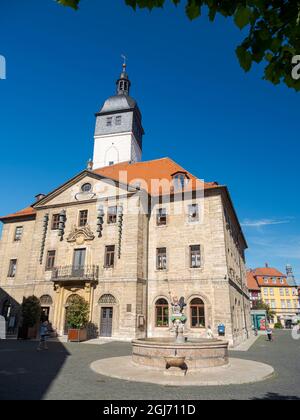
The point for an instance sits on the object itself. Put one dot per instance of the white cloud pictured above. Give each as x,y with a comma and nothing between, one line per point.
264,222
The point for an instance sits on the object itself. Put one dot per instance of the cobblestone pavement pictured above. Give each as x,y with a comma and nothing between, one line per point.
63,372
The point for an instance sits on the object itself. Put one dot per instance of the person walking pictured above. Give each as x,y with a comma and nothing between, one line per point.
270,333
43,336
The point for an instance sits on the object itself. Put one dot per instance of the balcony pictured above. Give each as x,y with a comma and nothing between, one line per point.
70,273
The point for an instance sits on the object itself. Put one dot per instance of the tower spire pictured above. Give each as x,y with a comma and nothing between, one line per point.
123,83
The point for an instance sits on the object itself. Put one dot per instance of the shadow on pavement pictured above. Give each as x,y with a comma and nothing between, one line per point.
272,396
25,373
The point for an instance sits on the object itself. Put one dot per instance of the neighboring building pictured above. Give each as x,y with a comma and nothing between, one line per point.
113,236
254,289
277,292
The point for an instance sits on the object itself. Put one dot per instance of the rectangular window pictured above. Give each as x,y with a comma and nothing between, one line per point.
162,315
12,268
274,280
50,261
287,292
273,304
265,291
109,259
55,222
112,215
161,217
281,291
193,213
195,256
283,306
266,280
108,121
161,258
129,308
118,120
271,292
18,233
289,304
83,218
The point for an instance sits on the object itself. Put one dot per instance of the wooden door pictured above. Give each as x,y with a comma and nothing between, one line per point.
106,322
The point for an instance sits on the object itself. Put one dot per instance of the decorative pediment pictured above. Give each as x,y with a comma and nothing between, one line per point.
81,234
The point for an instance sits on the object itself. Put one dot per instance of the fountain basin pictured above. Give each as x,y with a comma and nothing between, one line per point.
198,354
175,361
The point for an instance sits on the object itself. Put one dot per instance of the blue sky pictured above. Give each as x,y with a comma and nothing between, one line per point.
198,107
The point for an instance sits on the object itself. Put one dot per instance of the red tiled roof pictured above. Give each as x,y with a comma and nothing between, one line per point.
28,211
143,173
273,274
150,173
268,271
251,281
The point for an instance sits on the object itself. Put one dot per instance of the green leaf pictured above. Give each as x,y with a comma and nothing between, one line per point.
71,3
193,9
242,16
245,58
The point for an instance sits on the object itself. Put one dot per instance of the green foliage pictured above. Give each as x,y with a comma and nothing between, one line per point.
259,304
31,311
278,326
273,30
71,3
78,313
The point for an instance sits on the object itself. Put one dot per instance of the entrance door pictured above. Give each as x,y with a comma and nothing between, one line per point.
45,313
78,262
106,322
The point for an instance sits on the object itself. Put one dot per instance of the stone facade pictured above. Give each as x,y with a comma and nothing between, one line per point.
134,282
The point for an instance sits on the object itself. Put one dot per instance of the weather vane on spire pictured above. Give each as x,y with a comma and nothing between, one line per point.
125,61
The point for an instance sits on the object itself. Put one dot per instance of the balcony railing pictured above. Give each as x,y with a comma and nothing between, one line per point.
70,272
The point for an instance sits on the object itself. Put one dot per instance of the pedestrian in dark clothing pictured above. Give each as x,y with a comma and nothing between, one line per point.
270,334
43,336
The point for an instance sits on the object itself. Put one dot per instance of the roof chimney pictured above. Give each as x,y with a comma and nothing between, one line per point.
267,265
38,197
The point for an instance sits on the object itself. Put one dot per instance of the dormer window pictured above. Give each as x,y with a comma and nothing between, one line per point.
108,121
180,180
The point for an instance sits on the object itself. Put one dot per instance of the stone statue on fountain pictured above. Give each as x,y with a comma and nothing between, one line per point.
178,318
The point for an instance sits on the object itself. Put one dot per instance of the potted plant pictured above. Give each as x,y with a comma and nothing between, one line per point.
77,319
31,315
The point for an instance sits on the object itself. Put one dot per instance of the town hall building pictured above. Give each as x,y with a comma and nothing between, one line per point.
129,236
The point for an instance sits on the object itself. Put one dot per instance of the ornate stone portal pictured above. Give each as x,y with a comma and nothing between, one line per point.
81,234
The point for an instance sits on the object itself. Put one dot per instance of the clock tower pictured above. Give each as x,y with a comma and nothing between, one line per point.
119,131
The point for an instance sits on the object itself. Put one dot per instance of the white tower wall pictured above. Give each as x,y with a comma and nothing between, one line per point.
115,148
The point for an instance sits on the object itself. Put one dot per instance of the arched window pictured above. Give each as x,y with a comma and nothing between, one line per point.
162,313
46,300
107,300
197,313
6,308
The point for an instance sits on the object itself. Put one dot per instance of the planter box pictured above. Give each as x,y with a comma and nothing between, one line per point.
77,335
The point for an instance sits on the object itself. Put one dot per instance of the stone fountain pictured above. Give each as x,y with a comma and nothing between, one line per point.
180,361
179,354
